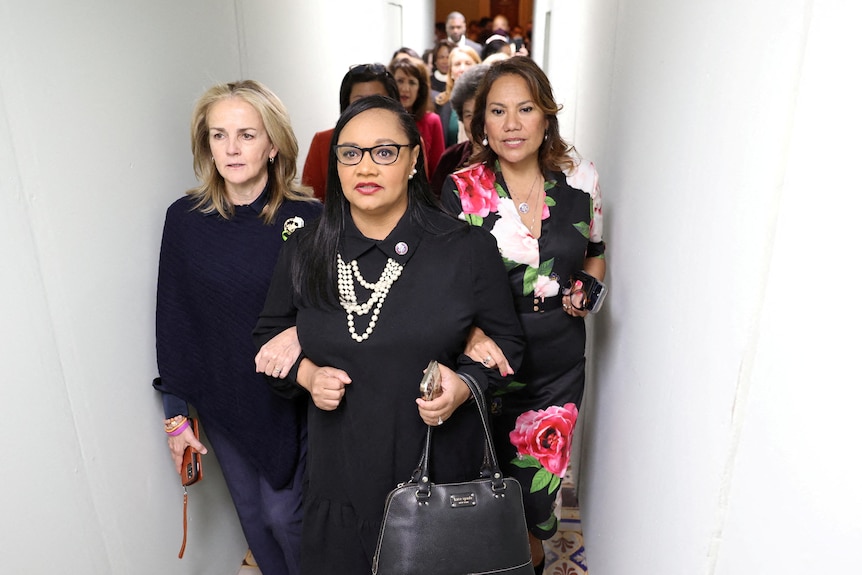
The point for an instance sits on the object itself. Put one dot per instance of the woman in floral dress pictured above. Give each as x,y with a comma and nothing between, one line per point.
544,208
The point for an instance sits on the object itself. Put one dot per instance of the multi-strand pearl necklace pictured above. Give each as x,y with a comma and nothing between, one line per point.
379,291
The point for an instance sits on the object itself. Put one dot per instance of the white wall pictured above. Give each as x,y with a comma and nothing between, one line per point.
303,49
721,425
95,100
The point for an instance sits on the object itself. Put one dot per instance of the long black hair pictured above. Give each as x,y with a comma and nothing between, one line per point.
314,271
366,73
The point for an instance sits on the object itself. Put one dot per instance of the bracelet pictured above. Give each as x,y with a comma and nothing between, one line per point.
182,427
173,423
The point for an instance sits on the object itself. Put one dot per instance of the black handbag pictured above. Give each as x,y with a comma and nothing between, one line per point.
455,528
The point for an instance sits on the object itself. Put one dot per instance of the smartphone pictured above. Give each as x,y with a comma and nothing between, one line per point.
191,469
429,387
590,288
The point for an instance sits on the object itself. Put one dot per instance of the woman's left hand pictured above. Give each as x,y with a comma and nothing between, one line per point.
572,302
455,392
277,356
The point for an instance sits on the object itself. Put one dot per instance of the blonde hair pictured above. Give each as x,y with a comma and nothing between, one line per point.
212,194
444,97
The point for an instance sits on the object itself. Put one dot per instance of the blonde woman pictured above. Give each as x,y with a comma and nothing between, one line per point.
460,58
219,246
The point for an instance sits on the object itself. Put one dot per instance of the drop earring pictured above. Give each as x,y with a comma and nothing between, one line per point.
412,173
485,140
546,136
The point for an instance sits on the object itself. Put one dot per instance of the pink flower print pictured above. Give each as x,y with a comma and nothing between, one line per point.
546,287
546,435
513,239
476,190
585,177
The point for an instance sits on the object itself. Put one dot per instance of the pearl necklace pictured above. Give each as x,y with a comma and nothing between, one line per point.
379,291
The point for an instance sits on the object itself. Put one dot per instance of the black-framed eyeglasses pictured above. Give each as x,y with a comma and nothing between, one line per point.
382,155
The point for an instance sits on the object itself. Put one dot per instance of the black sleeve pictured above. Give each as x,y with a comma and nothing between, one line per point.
279,314
495,309
279,310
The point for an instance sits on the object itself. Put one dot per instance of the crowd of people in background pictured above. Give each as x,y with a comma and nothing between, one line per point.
314,427
425,84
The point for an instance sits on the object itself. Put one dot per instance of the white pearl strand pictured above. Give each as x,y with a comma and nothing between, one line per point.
380,289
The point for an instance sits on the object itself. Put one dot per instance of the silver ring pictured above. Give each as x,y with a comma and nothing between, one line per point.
565,306
440,420
486,361
276,371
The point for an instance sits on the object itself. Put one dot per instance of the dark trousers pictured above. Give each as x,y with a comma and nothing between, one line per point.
271,519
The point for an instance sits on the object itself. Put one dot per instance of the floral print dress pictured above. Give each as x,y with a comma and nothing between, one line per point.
534,417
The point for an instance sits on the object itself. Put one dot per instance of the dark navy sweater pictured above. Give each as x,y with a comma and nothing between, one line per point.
214,274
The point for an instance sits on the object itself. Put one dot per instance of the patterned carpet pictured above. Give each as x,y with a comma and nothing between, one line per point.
564,552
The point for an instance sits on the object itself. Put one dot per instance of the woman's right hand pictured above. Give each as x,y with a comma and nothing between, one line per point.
325,384
178,443
482,349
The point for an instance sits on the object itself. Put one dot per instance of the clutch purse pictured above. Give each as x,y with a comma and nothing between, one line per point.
455,528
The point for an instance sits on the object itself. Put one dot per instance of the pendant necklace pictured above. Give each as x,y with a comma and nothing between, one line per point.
379,290
524,207
533,220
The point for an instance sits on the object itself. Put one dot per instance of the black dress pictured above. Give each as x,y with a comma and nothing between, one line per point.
534,417
371,442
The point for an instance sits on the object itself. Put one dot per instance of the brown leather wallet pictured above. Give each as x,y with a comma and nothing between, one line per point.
191,470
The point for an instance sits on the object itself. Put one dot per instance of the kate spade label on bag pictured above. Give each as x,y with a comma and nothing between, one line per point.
462,500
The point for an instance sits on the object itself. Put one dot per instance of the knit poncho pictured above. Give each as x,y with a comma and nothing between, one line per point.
214,274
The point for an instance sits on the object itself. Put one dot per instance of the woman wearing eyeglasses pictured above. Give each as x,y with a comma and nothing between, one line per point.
383,283
359,81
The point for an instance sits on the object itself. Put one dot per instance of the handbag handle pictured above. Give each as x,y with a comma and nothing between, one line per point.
490,464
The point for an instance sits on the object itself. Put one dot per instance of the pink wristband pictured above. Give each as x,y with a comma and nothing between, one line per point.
180,429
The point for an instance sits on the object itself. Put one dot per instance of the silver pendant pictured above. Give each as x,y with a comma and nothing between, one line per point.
523,207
